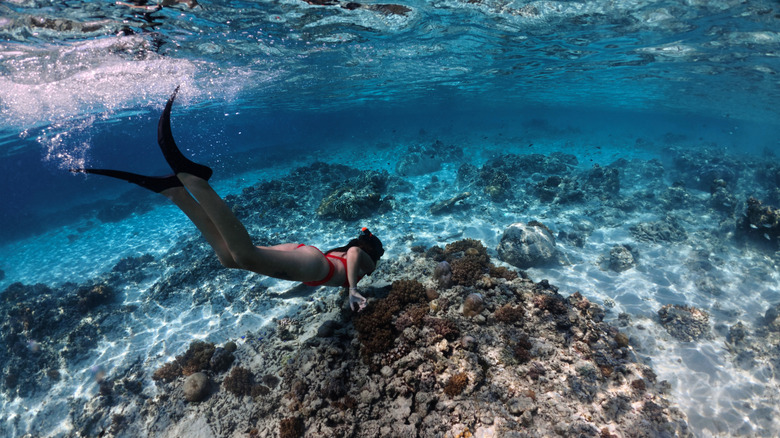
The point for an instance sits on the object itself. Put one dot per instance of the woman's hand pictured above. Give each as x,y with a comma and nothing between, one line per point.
355,299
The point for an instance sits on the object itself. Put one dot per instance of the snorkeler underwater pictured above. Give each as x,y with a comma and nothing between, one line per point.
427,219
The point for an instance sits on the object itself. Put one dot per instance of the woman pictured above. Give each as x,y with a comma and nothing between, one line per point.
189,189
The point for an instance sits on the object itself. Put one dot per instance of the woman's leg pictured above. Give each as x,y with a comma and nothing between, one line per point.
300,265
196,214
306,264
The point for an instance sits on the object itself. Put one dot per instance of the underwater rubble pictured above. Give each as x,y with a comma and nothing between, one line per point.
451,345
44,330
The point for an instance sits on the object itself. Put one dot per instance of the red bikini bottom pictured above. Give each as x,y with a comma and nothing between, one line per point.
331,268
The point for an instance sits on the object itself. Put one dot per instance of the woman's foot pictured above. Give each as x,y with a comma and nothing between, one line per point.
178,162
154,183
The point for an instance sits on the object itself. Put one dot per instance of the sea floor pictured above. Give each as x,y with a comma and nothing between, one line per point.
706,267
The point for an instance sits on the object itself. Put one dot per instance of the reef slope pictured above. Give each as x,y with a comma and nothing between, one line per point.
450,345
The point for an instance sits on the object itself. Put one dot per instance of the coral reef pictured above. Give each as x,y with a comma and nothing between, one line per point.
685,323
128,264
760,225
90,297
456,384
422,159
411,364
527,245
196,358
602,181
621,258
772,318
468,260
497,185
509,314
528,342
199,356
502,272
757,345
374,325
240,381
667,231
168,372
700,168
44,329
473,305
356,199
443,274
291,428
222,358
330,189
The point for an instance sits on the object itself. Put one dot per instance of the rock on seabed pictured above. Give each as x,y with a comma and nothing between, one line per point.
527,245
546,366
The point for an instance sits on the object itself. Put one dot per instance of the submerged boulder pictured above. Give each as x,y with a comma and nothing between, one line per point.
621,258
527,245
668,230
685,323
602,181
760,225
420,160
358,198
772,318
196,387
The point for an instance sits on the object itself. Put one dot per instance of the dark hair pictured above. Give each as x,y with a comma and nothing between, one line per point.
367,242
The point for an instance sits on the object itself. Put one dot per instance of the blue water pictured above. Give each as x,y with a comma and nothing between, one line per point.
268,87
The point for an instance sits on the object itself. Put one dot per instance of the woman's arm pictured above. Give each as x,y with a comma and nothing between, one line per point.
358,261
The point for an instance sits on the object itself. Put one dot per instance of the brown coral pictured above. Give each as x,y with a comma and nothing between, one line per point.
522,350
639,385
168,372
374,325
555,304
259,391
239,382
405,292
467,270
435,253
509,314
442,327
412,317
292,427
577,300
468,260
89,298
456,384
502,272
196,358
464,245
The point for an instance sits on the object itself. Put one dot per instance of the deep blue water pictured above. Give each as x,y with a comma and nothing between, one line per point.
266,85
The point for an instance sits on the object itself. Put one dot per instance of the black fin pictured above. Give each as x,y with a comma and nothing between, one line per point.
174,157
154,183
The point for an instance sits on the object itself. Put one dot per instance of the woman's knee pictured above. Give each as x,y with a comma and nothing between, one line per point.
245,259
228,262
